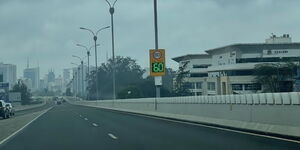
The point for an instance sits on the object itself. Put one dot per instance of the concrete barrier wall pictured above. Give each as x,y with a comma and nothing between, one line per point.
268,109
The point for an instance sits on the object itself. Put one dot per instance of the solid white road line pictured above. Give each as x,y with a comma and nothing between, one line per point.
112,136
218,128
6,139
95,125
86,119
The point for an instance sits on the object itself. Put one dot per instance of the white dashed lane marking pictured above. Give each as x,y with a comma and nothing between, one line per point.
86,119
95,125
112,136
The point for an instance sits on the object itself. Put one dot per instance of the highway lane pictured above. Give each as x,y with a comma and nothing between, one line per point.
76,127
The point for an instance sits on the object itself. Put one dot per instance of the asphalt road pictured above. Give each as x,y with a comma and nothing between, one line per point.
69,127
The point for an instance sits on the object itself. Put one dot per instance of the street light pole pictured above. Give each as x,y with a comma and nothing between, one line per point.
77,78
96,64
156,42
111,11
82,80
88,51
76,86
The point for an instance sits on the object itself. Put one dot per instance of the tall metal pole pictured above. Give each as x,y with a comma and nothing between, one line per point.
156,41
111,11
88,52
88,74
96,64
78,80
82,81
113,53
97,91
88,67
75,80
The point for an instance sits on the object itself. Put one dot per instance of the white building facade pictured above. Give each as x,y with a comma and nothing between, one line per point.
8,73
230,69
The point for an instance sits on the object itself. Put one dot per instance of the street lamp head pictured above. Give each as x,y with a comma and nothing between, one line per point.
106,27
82,28
111,10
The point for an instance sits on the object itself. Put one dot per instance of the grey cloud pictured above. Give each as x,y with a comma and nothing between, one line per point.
47,30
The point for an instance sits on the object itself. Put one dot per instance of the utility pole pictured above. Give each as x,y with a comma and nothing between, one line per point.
156,46
111,11
95,34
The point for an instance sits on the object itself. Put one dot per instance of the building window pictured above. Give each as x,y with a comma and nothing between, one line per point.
253,87
201,66
199,75
211,86
198,85
199,93
237,87
269,52
240,72
268,59
232,54
190,85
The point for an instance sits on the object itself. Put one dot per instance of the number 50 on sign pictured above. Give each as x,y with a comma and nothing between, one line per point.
157,62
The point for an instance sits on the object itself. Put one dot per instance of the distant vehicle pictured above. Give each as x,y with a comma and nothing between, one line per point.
58,102
4,111
10,108
55,98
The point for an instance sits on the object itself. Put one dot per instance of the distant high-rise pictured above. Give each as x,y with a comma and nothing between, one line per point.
66,75
8,74
34,75
51,76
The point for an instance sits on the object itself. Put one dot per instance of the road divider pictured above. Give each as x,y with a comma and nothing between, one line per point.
25,107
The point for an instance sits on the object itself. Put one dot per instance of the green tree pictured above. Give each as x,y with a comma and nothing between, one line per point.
130,92
275,77
181,86
25,92
128,72
148,88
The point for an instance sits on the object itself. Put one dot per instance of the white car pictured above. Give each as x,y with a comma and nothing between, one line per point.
10,108
4,111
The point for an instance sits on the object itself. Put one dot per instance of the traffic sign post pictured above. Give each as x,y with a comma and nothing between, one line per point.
157,68
157,62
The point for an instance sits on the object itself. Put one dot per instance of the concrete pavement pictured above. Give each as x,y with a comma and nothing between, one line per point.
77,127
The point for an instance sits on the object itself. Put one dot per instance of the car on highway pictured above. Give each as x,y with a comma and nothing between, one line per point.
4,111
10,108
58,102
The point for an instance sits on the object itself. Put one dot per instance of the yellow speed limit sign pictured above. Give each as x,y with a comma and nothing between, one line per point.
157,62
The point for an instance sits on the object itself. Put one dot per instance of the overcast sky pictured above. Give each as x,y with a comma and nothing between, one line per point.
46,31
